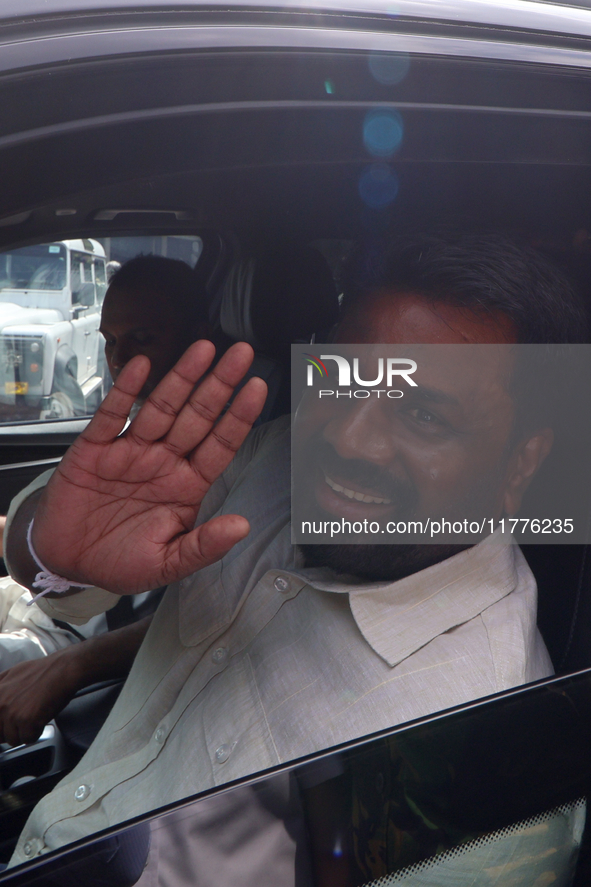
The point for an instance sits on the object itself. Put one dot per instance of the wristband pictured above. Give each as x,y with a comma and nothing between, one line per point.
45,579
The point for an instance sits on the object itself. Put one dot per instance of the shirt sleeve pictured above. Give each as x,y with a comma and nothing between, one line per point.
28,633
76,608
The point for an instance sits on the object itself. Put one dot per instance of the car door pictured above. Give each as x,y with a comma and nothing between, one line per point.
488,794
325,128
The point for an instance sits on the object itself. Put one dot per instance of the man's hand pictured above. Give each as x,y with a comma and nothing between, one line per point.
32,693
119,512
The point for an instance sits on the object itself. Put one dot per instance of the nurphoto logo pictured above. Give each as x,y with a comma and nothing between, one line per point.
387,370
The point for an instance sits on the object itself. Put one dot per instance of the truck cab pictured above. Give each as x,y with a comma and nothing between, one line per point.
50,346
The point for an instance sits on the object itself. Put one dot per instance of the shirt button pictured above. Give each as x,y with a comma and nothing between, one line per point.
222,753
159,734
219,655
28,849
82,792
281,584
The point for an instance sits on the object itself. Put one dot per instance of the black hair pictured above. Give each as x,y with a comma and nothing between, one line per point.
169,277
488,274
481,273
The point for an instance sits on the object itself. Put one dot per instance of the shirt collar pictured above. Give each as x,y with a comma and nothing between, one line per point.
398,618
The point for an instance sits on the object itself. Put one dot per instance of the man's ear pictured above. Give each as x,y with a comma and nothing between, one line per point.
525,462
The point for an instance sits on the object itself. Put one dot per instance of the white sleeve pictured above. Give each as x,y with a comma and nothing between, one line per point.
28,633
14,646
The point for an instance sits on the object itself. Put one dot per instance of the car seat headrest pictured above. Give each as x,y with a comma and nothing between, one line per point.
277,296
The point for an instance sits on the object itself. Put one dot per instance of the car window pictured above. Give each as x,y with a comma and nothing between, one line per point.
39,267
52,362
301,164
483,795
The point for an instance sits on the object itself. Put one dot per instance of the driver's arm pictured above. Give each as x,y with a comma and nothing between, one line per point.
32,693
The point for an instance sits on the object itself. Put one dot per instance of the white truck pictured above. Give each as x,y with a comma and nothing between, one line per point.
51,351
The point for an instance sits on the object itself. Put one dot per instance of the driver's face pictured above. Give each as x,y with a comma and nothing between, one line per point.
442,450
142,323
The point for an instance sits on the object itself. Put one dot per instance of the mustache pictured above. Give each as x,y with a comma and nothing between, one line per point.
366,475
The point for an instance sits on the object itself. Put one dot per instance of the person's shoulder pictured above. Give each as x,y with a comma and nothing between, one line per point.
265,451
271,431
265,437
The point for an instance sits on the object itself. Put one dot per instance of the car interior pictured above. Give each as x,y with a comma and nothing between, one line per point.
275,161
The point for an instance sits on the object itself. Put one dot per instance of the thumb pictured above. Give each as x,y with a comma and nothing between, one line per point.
208,543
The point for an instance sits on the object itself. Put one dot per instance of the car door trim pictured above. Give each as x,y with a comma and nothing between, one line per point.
123,117
106,43
34,464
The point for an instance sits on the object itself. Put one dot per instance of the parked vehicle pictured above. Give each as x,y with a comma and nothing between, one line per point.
50,345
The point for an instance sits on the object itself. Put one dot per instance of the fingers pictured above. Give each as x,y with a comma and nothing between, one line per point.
199,414
173,408
163,405
18,727
216,452
110,418
210,542
18,731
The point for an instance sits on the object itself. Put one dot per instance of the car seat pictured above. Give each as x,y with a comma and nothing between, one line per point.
563,575
271,298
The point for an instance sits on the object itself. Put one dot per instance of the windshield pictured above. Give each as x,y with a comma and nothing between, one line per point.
40,267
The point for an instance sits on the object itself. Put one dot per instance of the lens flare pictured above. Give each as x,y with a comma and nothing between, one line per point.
378,185
382,132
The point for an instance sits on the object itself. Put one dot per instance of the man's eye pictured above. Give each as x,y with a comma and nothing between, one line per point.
143,338
425,417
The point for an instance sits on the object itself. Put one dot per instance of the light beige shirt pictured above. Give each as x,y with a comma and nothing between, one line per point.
255,661
26,632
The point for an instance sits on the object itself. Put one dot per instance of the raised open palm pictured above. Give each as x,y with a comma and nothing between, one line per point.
119,512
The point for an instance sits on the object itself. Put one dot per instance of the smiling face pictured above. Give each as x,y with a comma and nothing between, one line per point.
143,323
441,451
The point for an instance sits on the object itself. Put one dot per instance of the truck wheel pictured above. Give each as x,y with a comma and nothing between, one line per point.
60,407
66,399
